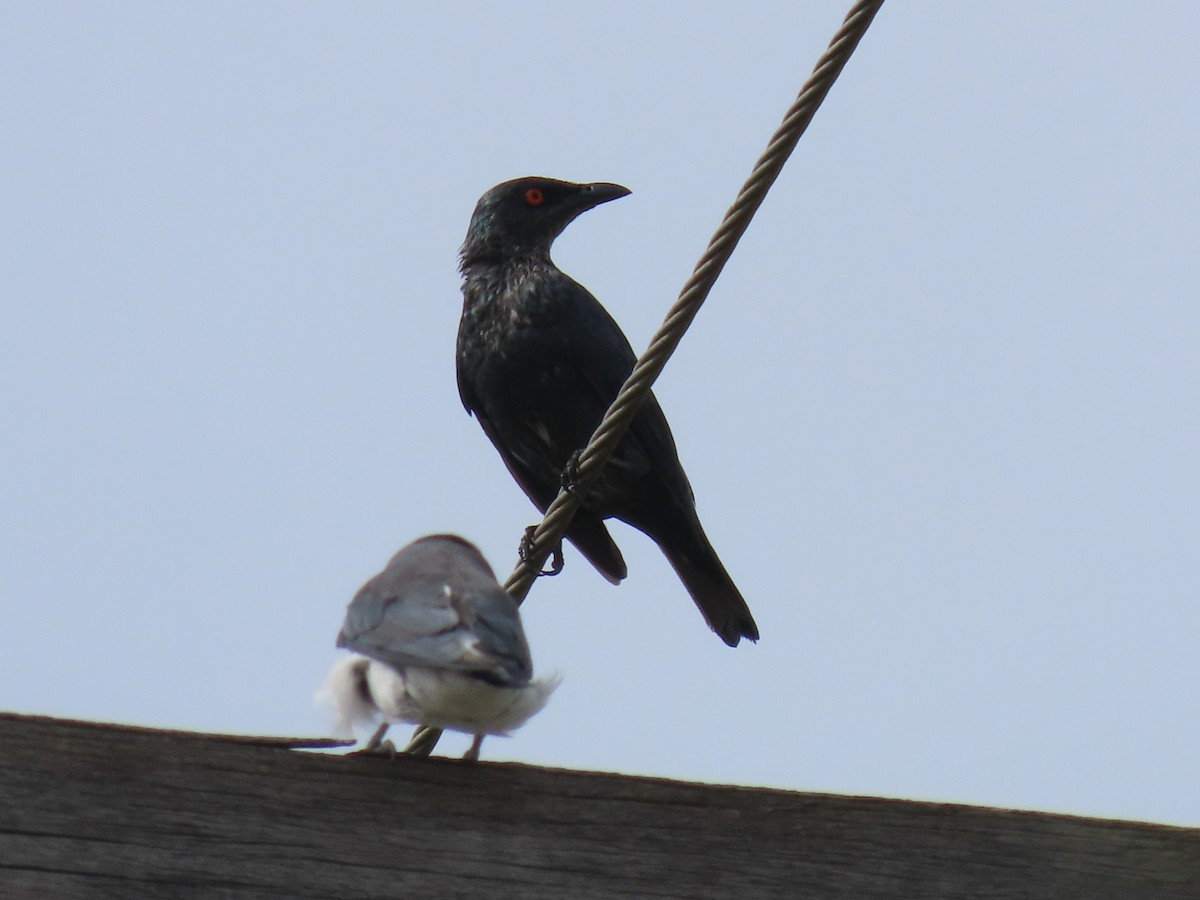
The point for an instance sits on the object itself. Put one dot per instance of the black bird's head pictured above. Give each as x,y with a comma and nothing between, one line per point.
522,217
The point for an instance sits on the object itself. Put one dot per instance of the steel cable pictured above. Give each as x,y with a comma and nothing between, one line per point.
620,414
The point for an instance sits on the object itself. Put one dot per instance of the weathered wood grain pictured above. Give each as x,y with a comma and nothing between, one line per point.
89,810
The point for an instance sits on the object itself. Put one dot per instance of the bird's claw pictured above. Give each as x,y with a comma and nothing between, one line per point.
573,482
569,479
556,561
525,551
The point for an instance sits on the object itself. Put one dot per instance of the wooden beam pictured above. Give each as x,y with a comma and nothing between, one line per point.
93,810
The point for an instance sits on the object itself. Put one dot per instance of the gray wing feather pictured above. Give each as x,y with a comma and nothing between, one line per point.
437,604
492,617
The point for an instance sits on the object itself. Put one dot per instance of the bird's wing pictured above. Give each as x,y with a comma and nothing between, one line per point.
606,359
525,448
528,455
491,615
425,621
465,393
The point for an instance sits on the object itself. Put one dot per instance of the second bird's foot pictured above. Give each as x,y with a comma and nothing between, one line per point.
472,754
525,551
556,561
377,746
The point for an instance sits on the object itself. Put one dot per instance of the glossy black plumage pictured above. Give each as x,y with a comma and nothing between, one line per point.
540,360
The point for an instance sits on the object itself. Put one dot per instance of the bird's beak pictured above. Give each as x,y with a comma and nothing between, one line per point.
591,195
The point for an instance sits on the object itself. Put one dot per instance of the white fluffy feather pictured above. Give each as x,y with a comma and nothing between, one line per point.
363,691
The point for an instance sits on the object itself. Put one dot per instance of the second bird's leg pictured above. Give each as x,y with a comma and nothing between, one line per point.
526,550
377,737
472,753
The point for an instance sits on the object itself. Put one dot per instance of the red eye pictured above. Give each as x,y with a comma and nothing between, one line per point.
534,197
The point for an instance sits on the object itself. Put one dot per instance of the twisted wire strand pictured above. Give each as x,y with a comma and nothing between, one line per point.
629,400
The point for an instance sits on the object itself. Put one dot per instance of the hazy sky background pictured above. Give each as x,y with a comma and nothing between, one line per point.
940,412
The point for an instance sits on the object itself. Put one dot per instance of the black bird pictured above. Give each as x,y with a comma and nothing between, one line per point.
539,362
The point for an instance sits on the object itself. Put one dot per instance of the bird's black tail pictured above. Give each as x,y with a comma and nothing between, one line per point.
719,600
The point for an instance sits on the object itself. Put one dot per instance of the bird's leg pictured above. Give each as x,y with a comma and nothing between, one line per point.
472,753
526,550
377,737
377,745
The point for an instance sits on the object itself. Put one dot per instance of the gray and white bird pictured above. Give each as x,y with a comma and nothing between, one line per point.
438,642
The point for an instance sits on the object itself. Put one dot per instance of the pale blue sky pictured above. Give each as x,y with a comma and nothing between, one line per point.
940,412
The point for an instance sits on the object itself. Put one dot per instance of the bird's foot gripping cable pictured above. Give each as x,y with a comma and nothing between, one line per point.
570,480
526,549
